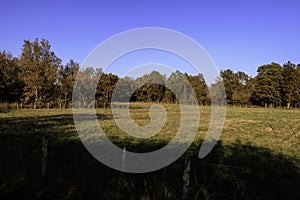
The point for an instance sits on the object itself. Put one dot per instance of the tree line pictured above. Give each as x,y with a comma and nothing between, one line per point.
38,79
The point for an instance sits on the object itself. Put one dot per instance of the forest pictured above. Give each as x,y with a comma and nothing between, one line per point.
38,79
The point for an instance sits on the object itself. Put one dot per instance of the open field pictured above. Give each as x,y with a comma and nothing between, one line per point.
257,157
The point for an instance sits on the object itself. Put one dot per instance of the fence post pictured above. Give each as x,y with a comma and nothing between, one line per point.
44,155
186,178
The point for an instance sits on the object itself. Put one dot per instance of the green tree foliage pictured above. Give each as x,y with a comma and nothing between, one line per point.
242,90
38,78
11,84
39,69
125,89
151,87
175,84
217,93
237,86
67,75
290,85
268,84
200,88
105,89
230,82
297,96
84,88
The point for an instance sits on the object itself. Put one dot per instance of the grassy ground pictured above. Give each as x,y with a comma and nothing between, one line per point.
257,157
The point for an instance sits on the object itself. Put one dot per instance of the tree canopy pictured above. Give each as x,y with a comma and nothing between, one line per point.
39,79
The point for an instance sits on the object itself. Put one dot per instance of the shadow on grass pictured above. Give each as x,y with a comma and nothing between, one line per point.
229,172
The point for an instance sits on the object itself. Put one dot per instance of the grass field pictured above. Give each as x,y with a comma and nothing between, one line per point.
257,157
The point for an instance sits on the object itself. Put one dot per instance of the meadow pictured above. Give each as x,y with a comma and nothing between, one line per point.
256,157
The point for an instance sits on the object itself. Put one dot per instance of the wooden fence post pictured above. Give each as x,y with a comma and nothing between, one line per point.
186,178
44,155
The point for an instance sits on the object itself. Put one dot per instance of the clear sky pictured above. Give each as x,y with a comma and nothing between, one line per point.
240,35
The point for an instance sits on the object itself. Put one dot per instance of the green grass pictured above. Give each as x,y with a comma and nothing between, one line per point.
257,157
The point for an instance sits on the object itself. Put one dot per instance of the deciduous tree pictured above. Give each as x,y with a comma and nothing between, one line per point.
40,71
11,84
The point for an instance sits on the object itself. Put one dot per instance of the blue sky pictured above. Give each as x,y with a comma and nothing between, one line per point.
240,35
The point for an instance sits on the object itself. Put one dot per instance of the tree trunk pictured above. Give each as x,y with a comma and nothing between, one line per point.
36,98
65,106
289,102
